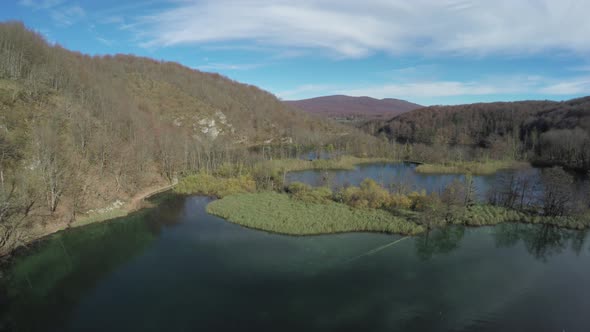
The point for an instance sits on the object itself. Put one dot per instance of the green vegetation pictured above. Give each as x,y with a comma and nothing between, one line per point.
471,167
486,215
303,192
343,162
280,213
308,210
206,184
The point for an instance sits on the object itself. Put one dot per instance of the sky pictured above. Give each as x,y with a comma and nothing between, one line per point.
425,51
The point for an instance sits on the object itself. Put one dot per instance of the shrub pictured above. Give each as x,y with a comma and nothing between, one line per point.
399,201
352,196
369,195
268,177
298,187
376,195
304,192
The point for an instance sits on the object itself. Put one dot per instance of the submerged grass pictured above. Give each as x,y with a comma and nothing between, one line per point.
280,213
473,167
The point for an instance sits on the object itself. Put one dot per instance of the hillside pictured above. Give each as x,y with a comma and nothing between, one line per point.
542,131
346,108
79,133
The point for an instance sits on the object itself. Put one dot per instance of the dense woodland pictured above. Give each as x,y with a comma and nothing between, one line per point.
544,132
79,132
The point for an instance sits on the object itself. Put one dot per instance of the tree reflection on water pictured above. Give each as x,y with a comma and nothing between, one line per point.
541,241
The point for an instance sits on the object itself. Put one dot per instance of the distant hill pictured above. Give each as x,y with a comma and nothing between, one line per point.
346,108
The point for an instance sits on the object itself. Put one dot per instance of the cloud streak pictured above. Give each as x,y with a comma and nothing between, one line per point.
355,29
442,89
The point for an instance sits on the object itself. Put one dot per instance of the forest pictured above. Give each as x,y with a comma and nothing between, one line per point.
543,132
81,132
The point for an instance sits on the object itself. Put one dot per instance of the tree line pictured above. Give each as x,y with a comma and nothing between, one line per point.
544,132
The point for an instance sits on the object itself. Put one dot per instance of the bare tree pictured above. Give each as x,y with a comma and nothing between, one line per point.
557,194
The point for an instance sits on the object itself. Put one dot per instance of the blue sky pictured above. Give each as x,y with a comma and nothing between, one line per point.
425,51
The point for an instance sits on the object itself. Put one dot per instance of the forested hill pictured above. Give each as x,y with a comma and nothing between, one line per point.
347,108
78,132
541,131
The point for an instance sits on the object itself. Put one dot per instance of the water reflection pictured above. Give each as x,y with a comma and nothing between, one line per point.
541,241
206,274
439,241
62,268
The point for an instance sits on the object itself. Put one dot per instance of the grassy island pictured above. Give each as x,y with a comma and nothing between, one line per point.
472,167
340,163
257,197
281,213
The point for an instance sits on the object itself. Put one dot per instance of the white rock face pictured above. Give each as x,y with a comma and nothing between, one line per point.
212,127
214,132
115,205
222,118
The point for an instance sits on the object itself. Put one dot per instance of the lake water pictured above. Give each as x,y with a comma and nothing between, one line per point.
397,174
404,176
176,268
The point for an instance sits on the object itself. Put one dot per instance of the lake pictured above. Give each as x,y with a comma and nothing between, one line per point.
403,176
176,268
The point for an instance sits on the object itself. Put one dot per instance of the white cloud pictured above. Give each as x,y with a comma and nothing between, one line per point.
44,4
303,90
575,87
431,90
352,28
426,89
580,68
104,41
67,16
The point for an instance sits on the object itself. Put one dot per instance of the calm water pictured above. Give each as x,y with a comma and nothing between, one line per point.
404,175
175,268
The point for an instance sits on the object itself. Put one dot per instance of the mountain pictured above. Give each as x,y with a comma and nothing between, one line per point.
547,132
346,108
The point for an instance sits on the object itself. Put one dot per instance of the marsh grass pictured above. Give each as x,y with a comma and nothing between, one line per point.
280,213
487,215
341,163
472,167
206,184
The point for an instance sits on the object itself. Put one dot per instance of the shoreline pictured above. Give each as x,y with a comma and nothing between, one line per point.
134,205
281,214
